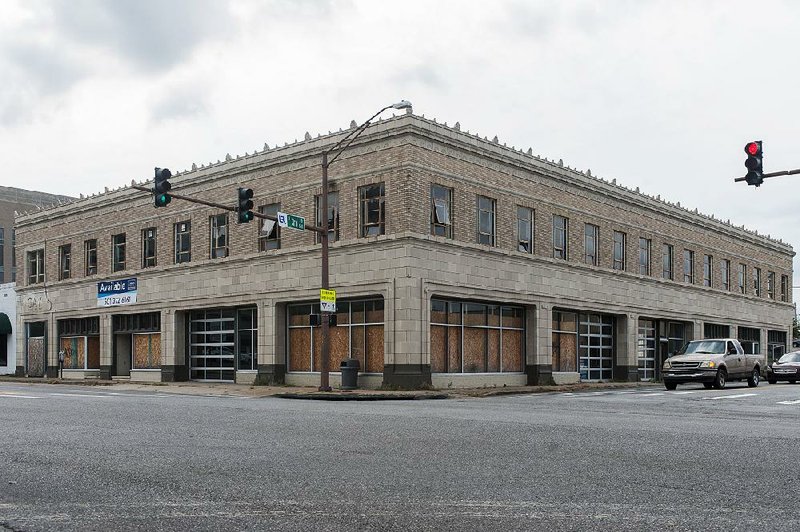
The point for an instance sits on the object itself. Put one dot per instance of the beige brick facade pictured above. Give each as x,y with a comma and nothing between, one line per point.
406,267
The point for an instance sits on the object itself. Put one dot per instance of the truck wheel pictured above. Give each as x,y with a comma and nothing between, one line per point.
754,378
708,385
670,385
719,381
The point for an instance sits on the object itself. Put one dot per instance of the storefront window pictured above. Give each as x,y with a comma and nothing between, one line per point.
471,337
79,341
358,334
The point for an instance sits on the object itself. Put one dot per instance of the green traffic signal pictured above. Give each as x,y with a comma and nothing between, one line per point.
245,205
161,186
162,200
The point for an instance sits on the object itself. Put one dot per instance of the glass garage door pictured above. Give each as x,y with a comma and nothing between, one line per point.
646,350
212,345
596,347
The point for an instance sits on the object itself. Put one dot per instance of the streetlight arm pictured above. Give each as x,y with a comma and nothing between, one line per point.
352,136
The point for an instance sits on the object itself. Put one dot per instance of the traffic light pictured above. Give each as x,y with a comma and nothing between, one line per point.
161,187
754,163
245,208
315,320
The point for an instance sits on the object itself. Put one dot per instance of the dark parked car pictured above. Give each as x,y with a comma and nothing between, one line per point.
786,368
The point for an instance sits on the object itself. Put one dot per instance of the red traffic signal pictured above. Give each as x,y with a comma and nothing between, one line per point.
754,163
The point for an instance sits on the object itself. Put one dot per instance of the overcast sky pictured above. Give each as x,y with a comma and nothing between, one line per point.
661,95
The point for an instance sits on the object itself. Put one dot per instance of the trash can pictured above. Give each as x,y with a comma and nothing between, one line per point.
349,368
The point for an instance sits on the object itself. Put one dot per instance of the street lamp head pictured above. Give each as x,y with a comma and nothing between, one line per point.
402,104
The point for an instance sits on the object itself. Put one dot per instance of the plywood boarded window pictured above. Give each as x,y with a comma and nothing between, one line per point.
471,337
147,351
358,334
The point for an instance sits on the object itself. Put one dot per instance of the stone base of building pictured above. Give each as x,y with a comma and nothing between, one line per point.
539,375
626,373
174,373
20,371
407,376
566,377
52,372
270,375
105,372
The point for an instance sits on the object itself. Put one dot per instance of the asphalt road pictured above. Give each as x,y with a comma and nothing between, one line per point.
87,458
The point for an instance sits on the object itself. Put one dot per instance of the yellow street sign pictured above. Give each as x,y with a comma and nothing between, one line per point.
329,296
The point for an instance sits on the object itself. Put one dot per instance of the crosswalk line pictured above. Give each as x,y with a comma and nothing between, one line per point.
737,396
17,396
81,395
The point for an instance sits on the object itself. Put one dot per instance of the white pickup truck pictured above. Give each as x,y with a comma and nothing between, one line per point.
713,361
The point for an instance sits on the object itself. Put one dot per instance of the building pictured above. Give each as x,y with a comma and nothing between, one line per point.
457,261
11,201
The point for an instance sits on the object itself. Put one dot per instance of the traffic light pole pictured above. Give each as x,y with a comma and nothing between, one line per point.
325,348
772,174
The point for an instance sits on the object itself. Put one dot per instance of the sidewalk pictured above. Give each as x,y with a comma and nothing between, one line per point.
299,392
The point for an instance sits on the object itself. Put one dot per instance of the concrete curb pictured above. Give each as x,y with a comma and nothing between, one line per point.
350,396
296,392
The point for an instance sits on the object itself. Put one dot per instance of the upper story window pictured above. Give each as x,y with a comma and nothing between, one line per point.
757,281
486,222
64,261
560,237
688,266
525,229
441,208
148,247
90,257
36,266
742,278
707,269
373,210
771,285
118,252
590,238
333,216
619,250
219,236
784,288
725,273
668,260
644,256
183,242
269,236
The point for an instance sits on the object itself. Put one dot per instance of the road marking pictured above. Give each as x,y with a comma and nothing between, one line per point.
789,402
81,395
12,395
651,394
683,392
738,396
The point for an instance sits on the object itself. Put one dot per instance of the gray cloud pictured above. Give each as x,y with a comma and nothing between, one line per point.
43,65
530,20
178,105
426,75
153,35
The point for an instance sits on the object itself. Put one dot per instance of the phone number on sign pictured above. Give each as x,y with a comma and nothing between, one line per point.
116,300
